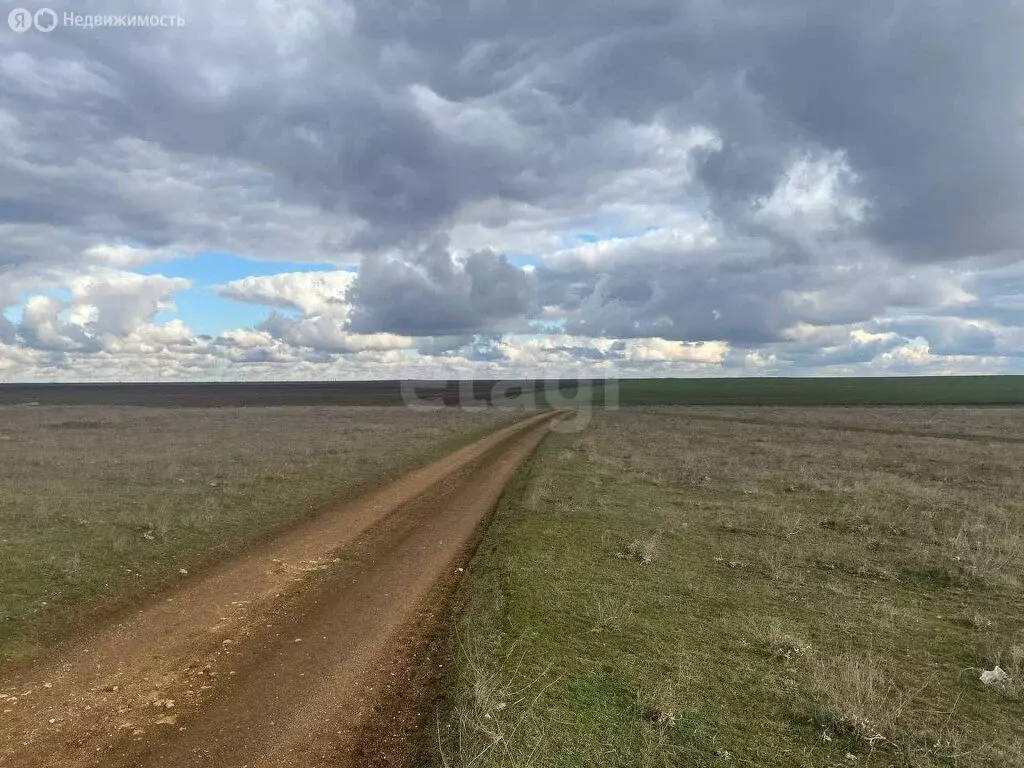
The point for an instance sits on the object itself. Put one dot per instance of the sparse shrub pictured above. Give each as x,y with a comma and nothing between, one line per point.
498,701
885,614
69,565
659,708
777,563
985,551
645,551
783,645
857,698
875,571
789,522
607,613
978,621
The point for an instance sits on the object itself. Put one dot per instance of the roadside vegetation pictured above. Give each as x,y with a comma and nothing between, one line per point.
99,505
777,587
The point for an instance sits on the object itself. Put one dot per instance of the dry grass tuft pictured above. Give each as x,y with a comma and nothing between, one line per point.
499,701
783,645
608,613
644,551
985,550
659,707
857,698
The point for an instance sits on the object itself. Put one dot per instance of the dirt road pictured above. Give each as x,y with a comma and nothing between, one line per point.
297,653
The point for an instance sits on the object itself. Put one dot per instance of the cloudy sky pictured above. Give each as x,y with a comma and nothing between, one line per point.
329,189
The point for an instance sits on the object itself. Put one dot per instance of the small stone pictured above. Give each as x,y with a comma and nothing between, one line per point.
997,675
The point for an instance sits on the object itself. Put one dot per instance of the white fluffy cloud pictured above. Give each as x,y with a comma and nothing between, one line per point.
662,351
104,306
311,293
121,302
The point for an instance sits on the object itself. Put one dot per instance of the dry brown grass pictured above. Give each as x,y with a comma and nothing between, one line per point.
101,503
644,551
897,501
858,698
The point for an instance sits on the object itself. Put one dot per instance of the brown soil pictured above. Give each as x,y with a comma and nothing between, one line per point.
310,650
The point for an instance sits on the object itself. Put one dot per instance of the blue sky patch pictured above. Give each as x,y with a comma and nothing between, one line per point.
206,312
201,308
211,268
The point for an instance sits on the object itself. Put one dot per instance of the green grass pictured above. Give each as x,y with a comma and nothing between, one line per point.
100,505
666,589
915,390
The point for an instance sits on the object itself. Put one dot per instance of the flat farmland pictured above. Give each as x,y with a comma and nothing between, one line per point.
101,505
468,393
824,391
657,586
750,586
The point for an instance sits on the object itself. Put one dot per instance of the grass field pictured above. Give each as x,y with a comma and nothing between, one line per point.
101,504
759,587
915,390
238,394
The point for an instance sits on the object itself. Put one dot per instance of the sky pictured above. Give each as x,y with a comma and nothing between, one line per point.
321,189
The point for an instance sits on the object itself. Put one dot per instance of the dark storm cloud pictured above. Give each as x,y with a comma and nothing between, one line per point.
693,299
924,99
748,292
324,121
431,293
